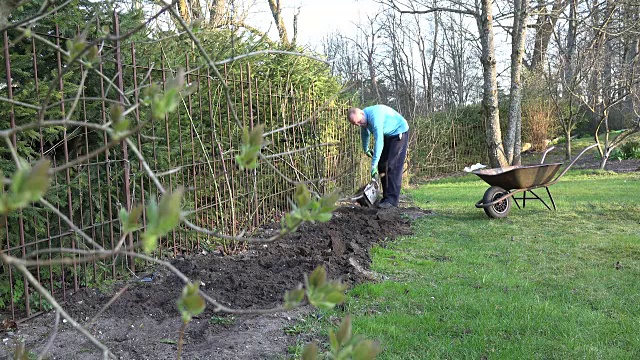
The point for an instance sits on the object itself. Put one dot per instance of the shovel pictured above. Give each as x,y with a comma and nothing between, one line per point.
367,196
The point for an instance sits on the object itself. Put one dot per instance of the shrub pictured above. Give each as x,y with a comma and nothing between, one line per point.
627,151
537,124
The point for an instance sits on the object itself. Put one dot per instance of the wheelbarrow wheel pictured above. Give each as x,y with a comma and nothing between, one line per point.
500,209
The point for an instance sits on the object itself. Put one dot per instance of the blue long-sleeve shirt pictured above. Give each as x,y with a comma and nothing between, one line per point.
381,121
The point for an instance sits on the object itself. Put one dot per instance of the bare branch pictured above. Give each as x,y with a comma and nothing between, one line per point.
20,265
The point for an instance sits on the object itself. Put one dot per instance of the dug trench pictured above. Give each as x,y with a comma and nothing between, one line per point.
143,322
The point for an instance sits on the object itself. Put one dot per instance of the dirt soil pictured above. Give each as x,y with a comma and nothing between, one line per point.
143,323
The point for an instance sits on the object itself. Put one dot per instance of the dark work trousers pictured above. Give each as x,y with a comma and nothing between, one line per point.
391,164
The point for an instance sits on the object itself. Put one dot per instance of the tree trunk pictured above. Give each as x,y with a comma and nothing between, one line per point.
512,142
217,12
190,10
425,69
375,89
490,88
544,25
434,54
276,12
567,144
570,54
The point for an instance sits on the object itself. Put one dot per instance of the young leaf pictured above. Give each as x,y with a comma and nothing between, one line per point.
131,220
333,342
252,142
37,181
119,122
336,297
310,352
366,350
328,202
169,211
318,277
302,196
344,331
293,298
191,303
177,82
149,242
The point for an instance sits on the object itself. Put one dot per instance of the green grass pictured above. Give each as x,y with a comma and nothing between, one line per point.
536,285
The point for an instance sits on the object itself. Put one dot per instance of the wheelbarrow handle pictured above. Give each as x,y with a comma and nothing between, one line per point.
544,154
571,164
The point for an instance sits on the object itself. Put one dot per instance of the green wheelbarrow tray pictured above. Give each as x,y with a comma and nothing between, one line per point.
508,181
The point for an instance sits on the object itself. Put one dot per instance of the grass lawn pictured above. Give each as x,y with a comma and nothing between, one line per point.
536,285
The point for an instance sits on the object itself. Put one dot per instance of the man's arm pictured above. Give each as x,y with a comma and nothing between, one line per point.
364,135
378,135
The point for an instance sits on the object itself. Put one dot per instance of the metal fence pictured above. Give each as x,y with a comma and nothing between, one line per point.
445,147
193,147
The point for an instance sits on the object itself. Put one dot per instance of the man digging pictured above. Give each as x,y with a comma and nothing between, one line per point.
390,132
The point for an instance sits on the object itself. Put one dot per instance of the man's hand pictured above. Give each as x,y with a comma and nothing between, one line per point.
369,153
374,173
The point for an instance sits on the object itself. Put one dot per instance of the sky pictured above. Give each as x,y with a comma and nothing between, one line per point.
317,17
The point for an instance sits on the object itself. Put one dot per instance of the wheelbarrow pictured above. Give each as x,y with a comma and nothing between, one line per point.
508,181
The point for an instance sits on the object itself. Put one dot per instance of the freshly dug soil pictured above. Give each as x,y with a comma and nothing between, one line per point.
143,323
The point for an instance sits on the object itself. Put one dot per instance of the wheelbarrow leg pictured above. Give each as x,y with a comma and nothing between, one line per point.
551,198
539,198
515,200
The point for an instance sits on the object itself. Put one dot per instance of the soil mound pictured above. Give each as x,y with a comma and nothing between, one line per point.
143,322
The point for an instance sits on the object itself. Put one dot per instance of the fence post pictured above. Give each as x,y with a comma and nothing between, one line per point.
14,141
125,150
65,147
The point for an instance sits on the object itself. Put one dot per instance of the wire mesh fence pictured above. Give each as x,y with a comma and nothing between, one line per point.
194,147
308,140
445,147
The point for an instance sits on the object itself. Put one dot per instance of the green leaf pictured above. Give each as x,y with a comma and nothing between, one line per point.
131,220
149,242
119,123
169,211
328,201
318,277
191,303
323,217
37,181
252,143
344,331
76,46
310,351
93,53
293,298
366,350
333,342
302,196
176,82
171,100
336,297
27,184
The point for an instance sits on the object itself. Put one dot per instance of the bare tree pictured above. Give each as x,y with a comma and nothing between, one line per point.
367,47
482,12
513,141
276,12
426,64
544,28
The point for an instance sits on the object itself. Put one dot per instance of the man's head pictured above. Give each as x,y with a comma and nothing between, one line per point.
356,117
